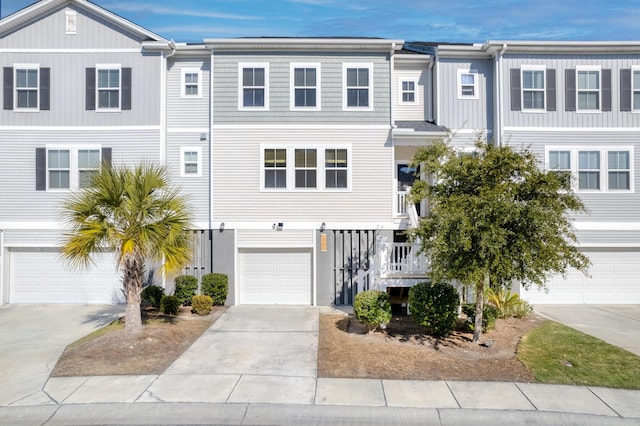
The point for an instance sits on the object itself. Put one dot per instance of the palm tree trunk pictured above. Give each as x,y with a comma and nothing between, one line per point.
133,279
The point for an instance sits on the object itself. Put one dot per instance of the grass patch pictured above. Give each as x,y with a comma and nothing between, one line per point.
113,326
558,354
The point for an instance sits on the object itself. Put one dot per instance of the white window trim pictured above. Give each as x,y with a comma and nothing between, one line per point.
74,176
459,74
100,67
589,68
542,68
320,167
183,82
292,94
17,67
198,151
634,69
401,101
604,167
347,66
241,66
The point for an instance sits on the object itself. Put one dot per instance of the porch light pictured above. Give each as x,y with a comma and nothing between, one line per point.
322,227
221,227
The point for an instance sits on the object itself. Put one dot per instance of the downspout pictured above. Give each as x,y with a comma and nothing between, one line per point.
211,162
436,83
2,258
392,64
498,132
432,85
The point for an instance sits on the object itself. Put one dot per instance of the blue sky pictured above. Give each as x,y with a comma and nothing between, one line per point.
424,20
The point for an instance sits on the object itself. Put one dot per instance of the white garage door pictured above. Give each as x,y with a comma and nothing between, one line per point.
39,276
275,276
615,278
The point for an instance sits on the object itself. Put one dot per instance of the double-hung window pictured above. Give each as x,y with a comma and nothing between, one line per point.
59,168
72,168
358,86
305,87
108,87
408,92
589,170
190,161
88,166
275,168
336,168
254,86
533,89
619,170
191,82
27,87
588,89
560,163
467,84
306,168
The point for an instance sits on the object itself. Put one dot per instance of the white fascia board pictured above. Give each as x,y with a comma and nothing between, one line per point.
492,46
296,225
382,45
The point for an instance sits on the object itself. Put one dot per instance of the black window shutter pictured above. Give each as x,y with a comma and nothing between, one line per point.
45,81
106,156
90,89
625,90
570,90
606,90
41,169
8,87
516,98
551,89
126,88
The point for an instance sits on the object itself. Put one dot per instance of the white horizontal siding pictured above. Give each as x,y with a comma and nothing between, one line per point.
33,238
262,238
187,111
236,177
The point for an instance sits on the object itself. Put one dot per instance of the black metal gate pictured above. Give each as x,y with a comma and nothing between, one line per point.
353,258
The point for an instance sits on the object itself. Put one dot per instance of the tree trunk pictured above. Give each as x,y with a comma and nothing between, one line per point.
477,327
132,281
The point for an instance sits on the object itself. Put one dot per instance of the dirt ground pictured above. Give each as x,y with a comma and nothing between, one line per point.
403,351
162,341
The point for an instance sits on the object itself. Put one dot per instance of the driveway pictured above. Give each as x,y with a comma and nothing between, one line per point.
32,337
615,324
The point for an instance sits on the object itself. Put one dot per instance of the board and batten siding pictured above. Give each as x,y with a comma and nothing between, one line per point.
225,86
560,117
421,110
187,111
195,188
236,177
602,206
19,199
465,114
68,89
49,32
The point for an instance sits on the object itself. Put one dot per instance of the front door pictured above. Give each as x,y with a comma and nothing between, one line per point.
407,175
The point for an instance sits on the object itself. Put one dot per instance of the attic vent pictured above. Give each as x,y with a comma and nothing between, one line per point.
70,24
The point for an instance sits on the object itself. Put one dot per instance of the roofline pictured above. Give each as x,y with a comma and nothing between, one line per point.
493,46
302,43
94,8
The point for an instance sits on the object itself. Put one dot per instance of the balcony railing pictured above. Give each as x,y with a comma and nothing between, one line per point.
401,260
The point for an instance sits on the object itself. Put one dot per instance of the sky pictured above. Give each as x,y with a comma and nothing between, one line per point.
459,21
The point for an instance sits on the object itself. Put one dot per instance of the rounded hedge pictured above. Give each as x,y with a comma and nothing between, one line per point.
201,305
372,309
186,288
216,286
170,305
152,294
435,307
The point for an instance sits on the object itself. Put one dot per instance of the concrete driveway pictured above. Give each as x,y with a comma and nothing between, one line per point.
32,338
615,324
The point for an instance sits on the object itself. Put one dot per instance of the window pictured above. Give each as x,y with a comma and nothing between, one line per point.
358,86
305,87
254,89
191,79
408,92
108,88
560,163
306,168
71,168
619,172
335,164
26,87
589,170
190,162
467,84
275,168
533,90
588,89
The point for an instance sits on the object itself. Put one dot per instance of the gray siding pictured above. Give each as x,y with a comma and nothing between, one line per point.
468,114
612,238
225,85
21,202
188,111
422,110
560,117
67,105
92,33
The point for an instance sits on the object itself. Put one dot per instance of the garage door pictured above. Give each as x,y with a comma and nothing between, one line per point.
39,276
615,278
275,276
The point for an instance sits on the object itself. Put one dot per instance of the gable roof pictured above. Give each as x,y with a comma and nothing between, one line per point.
30,13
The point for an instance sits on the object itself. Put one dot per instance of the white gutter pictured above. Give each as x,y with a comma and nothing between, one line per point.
392,64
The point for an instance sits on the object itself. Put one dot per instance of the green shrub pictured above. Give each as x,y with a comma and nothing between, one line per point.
522,309
489,316
505,302
186,287
372,309
201,305
435,307
170,305
217,286
152,294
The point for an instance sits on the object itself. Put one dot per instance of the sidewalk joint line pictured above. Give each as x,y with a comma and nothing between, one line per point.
603,401
526,396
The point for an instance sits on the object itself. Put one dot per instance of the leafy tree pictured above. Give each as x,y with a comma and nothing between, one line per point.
136,213
495,217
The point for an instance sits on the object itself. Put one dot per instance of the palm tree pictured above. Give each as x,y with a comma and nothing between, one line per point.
136,213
